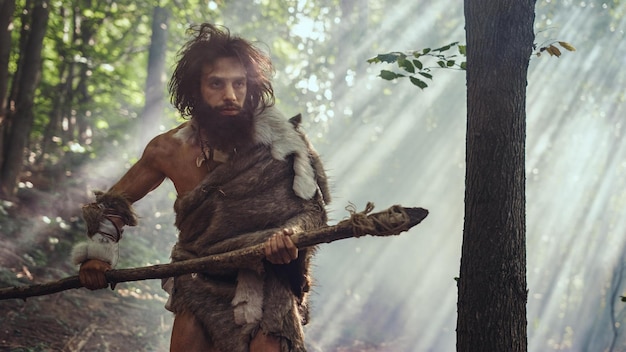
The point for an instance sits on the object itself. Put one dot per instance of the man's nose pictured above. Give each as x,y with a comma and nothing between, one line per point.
229,93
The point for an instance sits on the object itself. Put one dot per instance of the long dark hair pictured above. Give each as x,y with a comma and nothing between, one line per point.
207,44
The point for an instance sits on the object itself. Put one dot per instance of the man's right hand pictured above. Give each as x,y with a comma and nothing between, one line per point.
91,274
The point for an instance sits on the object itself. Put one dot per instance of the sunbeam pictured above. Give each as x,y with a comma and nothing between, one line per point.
400,294
393,143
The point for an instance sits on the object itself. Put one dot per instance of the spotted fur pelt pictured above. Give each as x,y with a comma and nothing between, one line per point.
111,203
241,203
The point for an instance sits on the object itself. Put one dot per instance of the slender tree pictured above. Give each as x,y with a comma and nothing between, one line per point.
23,117
492,284
6,17
155,80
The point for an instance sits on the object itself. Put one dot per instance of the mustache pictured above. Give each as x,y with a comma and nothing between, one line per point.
229,106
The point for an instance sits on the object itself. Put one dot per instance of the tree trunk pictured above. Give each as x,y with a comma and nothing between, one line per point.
155,80
22,119
7,189
492,284
6,18
7,7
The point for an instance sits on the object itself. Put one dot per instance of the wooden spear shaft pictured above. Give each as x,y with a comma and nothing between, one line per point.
233,259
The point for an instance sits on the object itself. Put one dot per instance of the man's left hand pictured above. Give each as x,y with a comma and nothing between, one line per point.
279,248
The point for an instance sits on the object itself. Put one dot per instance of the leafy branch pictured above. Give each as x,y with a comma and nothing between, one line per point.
552,49
412,65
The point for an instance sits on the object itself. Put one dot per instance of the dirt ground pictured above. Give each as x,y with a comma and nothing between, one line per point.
80,320
131,318
35,237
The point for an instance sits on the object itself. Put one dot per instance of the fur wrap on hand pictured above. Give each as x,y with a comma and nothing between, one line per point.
103,233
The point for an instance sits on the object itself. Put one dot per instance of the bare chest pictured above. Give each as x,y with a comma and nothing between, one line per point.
186,168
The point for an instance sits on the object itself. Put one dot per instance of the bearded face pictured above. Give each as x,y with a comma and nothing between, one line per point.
225,132
221,116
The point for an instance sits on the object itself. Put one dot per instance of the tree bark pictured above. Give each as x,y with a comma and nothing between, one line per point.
22,119
155,80
390,222
7,7
492,284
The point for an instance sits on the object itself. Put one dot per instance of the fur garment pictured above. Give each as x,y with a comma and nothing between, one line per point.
103,234
283,137
107,203
276,183
96,247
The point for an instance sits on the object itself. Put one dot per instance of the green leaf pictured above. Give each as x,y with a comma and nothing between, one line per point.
406,65
389,57
441,64
463,50
463,65
389,75
418,82
443,48
418,64
425,51
450,63
427,75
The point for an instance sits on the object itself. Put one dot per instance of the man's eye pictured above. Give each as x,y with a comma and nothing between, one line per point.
215,84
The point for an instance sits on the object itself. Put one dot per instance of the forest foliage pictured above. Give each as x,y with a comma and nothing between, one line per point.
97,82
81,80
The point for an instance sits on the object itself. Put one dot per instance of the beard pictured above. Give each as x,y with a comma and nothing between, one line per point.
225,132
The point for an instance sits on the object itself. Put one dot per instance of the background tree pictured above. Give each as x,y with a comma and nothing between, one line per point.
492,284
21,119
380,140
155,82
6,15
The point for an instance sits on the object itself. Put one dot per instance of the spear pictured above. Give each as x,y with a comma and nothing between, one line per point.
390,222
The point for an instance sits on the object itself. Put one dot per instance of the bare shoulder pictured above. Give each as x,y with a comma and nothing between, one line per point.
166,144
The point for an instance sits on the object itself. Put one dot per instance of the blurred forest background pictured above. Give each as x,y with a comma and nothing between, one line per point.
82,89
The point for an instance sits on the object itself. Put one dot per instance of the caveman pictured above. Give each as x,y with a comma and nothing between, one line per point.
244,175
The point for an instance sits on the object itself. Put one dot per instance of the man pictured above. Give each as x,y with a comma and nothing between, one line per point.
244,175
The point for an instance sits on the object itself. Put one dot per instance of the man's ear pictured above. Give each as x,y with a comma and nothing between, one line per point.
296,120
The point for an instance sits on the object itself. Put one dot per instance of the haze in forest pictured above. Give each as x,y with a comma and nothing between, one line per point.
393,143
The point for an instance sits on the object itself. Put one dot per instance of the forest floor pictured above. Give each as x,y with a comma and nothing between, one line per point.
130,318
36,234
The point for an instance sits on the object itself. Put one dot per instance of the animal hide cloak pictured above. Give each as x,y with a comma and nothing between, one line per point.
242,203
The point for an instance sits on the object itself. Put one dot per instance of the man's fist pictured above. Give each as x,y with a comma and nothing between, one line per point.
279,248
91,274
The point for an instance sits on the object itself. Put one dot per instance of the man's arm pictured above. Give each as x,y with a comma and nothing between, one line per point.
111,212
146,174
